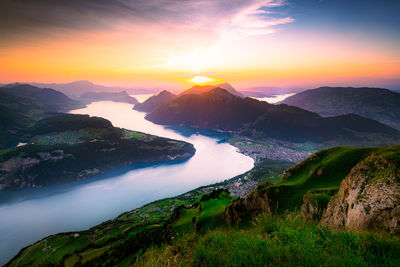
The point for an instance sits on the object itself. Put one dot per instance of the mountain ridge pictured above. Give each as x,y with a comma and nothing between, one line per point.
220,110
376,103
155,101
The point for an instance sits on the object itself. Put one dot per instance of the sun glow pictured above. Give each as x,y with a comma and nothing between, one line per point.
200,80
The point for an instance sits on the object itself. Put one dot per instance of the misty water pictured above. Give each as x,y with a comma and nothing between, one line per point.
31,214
274,98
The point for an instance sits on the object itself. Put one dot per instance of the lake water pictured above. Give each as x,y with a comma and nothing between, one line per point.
30,214
275,98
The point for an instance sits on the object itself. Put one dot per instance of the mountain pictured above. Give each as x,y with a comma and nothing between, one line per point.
264,228
50,100
122,96
75,88
155,102
379,104
23,104
218,109
200,89
67,147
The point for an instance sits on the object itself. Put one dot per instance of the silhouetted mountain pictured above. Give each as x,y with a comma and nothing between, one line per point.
218,109
155,102
122,96
75,88
200,89
22,104
48,99
379,104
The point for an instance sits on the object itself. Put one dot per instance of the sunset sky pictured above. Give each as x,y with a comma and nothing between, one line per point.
175,43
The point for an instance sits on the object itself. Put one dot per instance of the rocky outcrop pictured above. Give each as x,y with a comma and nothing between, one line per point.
369,197
260,200
315,203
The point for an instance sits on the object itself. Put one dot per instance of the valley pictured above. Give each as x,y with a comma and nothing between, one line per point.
147,133
116,191
274,186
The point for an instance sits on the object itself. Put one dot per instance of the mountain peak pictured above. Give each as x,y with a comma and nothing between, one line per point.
199,89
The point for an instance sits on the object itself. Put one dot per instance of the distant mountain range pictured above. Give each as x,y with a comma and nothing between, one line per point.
122,96
23,104
165,97
74,89
221,110
155,101
379,104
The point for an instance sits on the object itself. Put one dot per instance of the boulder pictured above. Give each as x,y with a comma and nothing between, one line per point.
369,197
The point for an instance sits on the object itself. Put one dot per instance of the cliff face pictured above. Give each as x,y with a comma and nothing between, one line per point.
369,197
260,200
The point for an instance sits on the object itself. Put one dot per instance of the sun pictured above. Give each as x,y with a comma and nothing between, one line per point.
201,80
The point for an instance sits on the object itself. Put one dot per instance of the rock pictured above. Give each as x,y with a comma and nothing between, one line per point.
315,203
369,197
260,200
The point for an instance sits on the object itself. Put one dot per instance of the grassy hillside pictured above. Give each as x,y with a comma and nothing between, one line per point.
320,175
191,229
161,218
322,171
198,236
271,240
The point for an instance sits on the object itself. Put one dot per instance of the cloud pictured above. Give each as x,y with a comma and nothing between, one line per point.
20,19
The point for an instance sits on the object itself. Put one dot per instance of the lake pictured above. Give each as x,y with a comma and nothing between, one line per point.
274,98
28,215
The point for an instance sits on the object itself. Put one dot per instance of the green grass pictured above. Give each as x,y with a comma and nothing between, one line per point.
324,171
285,240
131,134
320,200
208,214
91,254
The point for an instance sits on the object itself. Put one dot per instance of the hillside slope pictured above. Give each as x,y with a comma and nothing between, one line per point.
191,229
323,171
379,104
367,181
22,105
218,109
66,147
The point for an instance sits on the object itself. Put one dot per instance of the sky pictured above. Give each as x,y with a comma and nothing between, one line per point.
178,43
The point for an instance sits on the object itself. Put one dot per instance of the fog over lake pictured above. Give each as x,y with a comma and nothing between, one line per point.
28,215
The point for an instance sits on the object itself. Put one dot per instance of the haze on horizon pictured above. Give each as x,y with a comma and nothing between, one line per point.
167,43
